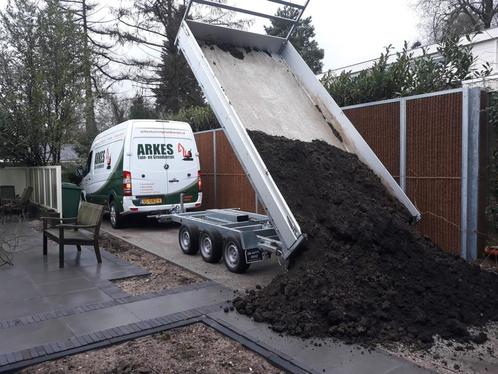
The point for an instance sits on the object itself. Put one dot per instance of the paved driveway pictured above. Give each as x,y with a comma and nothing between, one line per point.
162,240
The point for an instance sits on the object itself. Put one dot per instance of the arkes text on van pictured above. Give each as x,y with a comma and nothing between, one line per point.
155,151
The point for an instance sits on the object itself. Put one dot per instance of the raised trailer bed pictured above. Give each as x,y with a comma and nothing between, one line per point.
261,83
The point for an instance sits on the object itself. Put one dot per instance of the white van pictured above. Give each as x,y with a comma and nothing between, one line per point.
142,166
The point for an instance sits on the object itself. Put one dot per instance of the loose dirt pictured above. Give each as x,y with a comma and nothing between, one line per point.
163,274
192,349
366,276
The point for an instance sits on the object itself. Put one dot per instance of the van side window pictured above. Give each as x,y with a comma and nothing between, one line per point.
88,163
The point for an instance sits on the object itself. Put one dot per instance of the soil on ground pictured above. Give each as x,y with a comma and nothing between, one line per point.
366,275
163,274
192,349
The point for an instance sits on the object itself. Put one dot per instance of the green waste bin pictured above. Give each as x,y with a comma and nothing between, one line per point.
71,195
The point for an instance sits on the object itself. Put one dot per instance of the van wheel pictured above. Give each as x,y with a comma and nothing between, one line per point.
114,216
234,257
210,247
187,238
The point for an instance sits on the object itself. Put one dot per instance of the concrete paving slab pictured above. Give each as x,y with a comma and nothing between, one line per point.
77,298
323,355
36,280
162,240
93,321
21,308
242,323
169,304
22,337
69,285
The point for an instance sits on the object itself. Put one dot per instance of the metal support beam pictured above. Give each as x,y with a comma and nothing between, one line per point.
402,144
297,20
294,22
242,10
465,172
215,171
473,173
286,3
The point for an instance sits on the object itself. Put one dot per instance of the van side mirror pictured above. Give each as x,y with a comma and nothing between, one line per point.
80,172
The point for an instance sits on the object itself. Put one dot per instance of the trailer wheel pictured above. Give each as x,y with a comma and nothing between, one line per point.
234,257
210,247
187,238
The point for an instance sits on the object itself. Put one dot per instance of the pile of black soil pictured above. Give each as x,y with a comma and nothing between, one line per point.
366,275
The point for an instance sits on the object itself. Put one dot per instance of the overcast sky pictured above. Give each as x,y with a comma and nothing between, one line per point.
357,30
349,31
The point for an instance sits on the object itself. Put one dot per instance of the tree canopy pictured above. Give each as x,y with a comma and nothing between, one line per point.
303,37
40,80
454,18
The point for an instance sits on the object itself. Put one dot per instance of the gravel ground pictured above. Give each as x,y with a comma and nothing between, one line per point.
447,356
163,275
191,349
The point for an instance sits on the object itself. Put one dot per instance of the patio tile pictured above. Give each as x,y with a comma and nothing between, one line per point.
89,322
22,337
23,308
17,288
169,304
69,285
78,298
42,276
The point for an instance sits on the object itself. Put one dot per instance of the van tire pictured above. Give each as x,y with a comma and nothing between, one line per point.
210,247
234,257
188,239
114,216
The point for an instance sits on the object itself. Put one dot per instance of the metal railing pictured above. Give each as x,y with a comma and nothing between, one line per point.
293,22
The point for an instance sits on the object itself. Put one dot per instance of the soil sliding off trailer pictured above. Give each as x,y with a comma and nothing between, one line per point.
259,82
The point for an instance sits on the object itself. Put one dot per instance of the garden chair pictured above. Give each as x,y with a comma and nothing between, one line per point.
18,206
81,230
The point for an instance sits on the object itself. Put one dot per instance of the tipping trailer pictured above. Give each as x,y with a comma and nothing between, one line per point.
261,83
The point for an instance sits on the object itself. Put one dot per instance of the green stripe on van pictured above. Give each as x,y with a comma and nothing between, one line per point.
113,186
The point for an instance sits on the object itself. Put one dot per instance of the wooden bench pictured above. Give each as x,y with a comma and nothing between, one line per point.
81,230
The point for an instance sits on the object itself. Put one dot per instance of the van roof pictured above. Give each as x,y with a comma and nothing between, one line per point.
124,125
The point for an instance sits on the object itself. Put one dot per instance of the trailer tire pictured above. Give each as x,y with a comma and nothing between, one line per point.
187,239
210,247
234,257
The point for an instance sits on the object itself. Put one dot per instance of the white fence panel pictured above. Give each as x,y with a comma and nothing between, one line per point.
47,186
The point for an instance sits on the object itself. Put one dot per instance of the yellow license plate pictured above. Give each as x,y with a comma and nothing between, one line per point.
152,201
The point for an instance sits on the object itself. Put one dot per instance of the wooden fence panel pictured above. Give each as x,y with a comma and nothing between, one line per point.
205,147
434,166
232,186
379,126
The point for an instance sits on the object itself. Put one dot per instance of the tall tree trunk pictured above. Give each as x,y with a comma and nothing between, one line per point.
90,124
488,13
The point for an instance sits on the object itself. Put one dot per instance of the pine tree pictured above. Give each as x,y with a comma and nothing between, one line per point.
302,38
141,109
177,87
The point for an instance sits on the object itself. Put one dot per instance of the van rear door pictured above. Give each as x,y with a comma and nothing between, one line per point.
149,163
184,168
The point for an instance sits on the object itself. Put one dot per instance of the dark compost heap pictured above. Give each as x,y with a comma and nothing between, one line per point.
366,276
